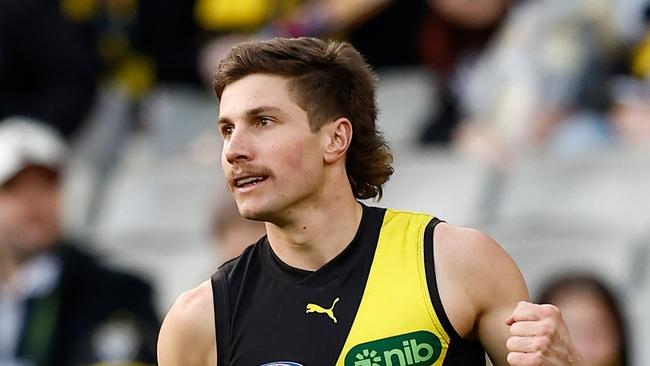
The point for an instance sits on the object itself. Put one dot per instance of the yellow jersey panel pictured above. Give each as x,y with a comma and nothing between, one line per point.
396,323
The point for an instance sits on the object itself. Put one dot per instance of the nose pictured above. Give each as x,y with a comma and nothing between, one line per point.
238,147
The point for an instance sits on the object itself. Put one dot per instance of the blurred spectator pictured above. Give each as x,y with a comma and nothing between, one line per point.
387,35
385,31
47,66
179,34
593,316
446,36
452,38
546,82
113,31
630,110
233,233
59,305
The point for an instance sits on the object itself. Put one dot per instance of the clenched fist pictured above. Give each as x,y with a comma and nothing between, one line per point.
538,336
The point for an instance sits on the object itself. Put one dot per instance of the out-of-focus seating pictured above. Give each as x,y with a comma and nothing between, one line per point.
440,182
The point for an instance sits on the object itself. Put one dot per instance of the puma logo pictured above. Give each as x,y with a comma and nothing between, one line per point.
315,308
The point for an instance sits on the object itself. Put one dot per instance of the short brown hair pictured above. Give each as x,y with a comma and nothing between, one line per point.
329,80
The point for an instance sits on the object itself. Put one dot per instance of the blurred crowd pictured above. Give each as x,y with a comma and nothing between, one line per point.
112,88
497,63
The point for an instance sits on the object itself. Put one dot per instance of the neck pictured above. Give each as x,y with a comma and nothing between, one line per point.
318,233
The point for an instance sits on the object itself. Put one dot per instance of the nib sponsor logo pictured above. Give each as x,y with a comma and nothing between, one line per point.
412,349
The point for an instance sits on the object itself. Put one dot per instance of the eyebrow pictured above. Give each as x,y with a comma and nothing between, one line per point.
252,113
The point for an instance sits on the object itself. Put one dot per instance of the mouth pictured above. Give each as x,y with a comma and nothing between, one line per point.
243,183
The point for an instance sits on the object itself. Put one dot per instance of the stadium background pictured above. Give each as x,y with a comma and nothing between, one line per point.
545,104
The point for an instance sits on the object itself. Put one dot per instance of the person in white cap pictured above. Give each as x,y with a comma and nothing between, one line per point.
58,304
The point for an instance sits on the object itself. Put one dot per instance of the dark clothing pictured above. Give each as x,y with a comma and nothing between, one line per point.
170,36
47,65
390,38
374,303
90,306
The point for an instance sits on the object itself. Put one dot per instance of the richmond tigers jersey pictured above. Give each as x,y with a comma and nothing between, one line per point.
375,304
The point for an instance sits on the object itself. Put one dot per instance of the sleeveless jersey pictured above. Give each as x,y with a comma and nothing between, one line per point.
375,304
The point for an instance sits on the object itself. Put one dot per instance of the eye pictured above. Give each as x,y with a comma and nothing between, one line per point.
265,122
226,130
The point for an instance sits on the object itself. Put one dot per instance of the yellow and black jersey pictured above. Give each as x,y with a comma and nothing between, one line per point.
375,304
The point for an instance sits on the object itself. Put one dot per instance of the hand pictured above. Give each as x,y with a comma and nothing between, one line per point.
538,336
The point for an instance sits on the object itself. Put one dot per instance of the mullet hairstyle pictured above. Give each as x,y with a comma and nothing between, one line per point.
329,80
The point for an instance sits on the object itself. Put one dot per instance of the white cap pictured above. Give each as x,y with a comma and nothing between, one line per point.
25,142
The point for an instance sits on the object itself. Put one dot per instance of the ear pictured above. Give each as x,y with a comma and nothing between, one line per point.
339,137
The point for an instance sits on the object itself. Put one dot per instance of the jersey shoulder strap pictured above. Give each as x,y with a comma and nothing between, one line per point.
461,351
222,316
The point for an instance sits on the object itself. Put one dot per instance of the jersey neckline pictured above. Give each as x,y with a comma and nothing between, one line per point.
336,268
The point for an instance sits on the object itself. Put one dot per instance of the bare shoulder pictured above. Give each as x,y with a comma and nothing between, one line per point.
466,246
473,254
187,336
470,265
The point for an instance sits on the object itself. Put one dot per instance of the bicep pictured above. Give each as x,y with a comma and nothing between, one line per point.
504,287
187,335
480,284
170,343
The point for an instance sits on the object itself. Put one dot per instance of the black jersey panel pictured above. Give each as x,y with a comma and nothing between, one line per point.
278,313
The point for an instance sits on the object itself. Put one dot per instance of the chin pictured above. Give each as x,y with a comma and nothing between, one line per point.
268,209
254,216
252,212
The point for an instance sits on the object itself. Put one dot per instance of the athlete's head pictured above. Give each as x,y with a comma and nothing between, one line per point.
306,104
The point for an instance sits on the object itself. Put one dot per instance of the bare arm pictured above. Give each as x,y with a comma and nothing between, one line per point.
513,331
187,336
471,266
504,287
